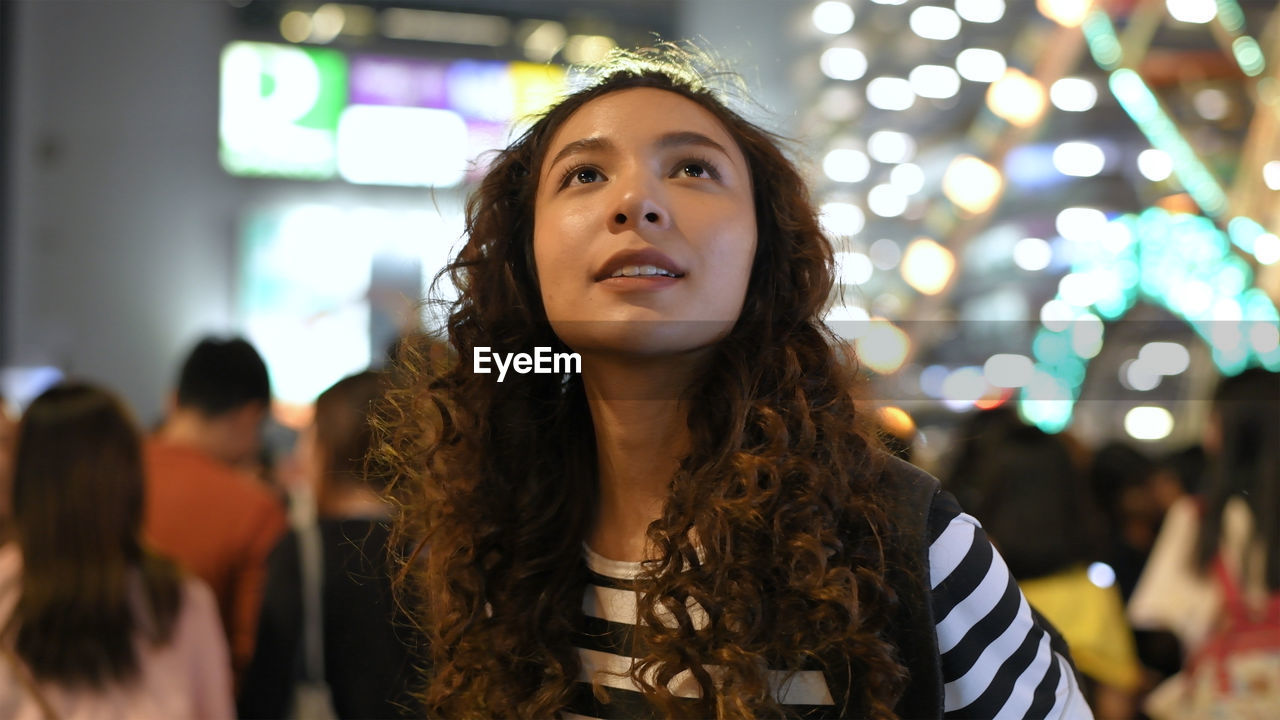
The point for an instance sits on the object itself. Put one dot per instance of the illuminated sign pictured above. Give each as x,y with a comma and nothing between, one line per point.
280,109
310,113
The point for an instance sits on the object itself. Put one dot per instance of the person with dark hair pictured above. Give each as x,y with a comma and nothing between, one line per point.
700,522
1134,492
367,646
1121,477
203,508
1215,565
93,624
1032,497
976,438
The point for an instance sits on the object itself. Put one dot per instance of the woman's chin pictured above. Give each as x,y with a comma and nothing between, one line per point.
640,339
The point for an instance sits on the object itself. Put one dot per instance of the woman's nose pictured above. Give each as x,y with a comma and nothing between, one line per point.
639,205
651,217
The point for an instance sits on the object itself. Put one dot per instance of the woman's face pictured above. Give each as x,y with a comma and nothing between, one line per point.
644,226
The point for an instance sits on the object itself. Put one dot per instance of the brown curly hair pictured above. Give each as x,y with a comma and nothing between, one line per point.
497,482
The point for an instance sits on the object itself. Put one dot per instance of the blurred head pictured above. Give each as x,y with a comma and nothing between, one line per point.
1033,500
976,437
341,435
78,482
1120,477
225,382
1245,422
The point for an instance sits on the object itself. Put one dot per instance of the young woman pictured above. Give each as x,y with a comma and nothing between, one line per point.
95,625
700,524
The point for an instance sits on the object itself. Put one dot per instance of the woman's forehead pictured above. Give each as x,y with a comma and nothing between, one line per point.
638,114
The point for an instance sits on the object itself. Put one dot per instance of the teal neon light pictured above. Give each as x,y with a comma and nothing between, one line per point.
1248,55
1100,36
1230,15
1181,262
1142,105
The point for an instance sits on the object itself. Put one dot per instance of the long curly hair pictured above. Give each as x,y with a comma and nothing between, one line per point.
497,482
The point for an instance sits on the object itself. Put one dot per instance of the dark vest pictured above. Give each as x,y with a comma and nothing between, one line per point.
911,493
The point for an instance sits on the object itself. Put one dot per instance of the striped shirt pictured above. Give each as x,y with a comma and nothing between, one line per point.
996,660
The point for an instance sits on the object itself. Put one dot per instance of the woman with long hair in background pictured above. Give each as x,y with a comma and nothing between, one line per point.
1213,576
92,623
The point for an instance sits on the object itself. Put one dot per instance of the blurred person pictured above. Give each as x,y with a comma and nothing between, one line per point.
1183,473
1032,498
95,624
203,506
8,436
698,520
1134,492
366,648
1213,577
1123,480
974,439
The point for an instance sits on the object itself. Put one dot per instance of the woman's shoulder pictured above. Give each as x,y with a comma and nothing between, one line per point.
920,507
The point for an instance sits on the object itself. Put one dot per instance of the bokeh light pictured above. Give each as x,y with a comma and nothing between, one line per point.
973,185
934,23
980,65
846,165
1148,422
1073,94
1067,13
890,93
883,347
833,17
843,63
927,266
1155,165
1017,98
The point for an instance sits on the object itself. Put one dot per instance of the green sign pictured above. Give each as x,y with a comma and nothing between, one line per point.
280,108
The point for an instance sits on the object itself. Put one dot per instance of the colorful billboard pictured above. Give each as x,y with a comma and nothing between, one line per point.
318,114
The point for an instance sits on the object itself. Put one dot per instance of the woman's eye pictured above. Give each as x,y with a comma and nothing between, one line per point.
695,170
584,176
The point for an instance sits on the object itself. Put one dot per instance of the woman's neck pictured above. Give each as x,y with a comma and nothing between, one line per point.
642,433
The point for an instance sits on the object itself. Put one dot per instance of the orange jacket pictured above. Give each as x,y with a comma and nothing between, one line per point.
220,524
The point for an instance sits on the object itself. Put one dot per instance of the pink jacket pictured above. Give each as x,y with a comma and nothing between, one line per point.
188,679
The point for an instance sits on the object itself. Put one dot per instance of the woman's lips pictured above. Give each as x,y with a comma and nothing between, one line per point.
646,261
639,282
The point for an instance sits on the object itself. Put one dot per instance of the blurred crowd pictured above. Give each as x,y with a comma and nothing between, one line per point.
185,573
180,572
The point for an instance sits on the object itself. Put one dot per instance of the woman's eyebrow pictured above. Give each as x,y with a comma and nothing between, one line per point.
584,145
689,137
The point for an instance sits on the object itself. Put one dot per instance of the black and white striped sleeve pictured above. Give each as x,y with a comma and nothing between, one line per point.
997,661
